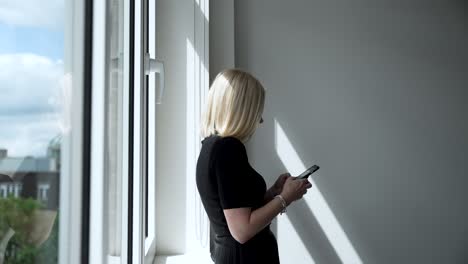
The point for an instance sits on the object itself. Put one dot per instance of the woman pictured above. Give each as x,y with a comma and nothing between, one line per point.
235,197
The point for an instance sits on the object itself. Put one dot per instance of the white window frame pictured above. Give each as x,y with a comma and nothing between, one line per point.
72,207
138,185
150,202
144,141
98,243
97,230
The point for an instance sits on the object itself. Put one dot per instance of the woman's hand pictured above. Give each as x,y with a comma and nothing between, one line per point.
293,189
277,187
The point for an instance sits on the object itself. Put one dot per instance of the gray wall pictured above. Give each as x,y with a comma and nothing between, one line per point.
221,41
377,94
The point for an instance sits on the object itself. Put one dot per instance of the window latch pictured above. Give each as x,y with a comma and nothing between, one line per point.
154,65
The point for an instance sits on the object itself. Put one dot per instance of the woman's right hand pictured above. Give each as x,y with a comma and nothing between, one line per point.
294,189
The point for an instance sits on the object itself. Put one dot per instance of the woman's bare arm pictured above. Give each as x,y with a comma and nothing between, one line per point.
244,223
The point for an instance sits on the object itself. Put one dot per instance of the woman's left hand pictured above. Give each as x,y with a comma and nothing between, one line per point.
277,187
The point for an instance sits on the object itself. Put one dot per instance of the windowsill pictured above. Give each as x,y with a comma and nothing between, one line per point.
189,258
113,259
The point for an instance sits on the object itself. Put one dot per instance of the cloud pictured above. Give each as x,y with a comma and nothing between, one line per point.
31,105
36,13
28,135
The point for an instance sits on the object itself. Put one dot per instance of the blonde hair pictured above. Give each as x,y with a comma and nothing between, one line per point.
234,106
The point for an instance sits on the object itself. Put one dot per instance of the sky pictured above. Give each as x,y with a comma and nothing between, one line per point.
31,75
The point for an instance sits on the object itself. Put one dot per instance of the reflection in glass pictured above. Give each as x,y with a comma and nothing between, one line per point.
31,117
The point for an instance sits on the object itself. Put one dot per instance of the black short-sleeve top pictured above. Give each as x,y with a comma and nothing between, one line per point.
226,180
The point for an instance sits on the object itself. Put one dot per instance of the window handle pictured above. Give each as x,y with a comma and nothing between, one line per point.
154,65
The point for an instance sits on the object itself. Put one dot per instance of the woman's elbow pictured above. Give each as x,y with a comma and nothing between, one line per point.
238,221
241,237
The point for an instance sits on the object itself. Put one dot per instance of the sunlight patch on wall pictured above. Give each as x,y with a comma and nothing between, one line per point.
203,6
295,253
197,225
315,200
191,148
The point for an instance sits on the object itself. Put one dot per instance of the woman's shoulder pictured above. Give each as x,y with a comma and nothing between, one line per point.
230,142
223,140
225,144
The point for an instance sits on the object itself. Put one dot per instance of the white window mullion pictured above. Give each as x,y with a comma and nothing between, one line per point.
125,133
71,191
153,87
97,236
138,188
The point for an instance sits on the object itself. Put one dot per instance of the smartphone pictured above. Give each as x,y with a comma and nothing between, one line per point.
308,172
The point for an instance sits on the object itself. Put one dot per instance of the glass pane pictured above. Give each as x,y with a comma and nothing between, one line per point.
32,118
114,126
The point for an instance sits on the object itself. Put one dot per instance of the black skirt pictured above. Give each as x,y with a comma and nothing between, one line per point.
262,248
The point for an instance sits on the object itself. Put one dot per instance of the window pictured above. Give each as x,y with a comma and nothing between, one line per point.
122,131
3,191
42,192
92,161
